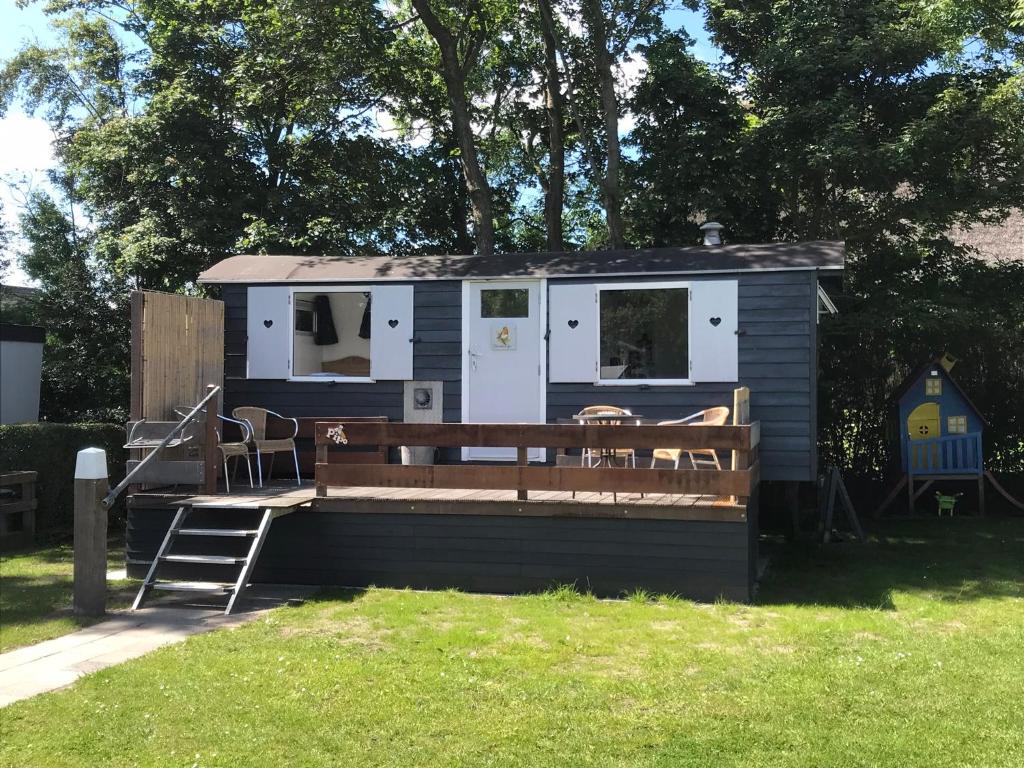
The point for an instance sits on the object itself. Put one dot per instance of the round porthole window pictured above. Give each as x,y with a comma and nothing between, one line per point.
923,429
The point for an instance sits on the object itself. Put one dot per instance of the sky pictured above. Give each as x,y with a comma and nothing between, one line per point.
25,141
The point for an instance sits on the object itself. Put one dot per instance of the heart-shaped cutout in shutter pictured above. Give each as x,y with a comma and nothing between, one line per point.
393,323
715,321
267,323
573,323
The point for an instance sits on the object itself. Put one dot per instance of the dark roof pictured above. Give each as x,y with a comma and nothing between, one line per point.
920,371
32,333
817,255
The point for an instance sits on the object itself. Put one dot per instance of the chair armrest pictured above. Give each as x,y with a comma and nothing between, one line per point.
295,422
684,420
245,425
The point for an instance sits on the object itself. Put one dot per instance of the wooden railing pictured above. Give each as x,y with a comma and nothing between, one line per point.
949,455
522,477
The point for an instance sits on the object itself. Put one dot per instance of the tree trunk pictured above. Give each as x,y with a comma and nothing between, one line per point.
460,212
455,83
611,192
555,192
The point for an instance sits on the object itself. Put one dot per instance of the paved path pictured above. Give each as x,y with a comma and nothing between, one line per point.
57,663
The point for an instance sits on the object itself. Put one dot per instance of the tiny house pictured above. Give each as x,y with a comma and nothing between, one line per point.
487,359
534,337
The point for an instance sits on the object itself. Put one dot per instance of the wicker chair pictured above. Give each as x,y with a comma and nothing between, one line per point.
237,449
700,458
256,419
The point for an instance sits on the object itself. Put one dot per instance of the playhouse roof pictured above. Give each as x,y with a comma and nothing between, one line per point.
816,255
924,368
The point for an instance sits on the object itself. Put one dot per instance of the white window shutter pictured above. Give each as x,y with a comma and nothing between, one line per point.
269,329
714,320
573,324
391,332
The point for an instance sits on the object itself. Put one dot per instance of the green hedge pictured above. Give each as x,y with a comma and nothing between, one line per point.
50,450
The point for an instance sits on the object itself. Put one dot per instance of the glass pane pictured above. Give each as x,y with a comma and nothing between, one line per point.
303,319
644,334
505,302
332,334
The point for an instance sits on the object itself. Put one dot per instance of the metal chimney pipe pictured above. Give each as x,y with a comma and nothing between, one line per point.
712,233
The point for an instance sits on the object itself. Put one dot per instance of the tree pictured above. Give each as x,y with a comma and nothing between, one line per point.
554,183
689,141
85,362
459,53
201,131
609,28
873,123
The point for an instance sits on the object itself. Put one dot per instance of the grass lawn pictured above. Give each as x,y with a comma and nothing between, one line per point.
35,594
908,651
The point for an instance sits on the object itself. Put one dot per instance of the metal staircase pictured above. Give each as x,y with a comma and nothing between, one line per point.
210,547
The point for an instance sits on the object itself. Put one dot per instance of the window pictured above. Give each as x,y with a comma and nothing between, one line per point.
304,317
331,334
643,332
505,302
956,425
933,385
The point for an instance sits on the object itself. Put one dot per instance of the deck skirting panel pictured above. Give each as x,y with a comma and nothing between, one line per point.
698,559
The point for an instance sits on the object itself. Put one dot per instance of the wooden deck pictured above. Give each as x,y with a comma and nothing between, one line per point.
661,506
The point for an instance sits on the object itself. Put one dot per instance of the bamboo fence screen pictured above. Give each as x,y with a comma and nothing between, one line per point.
177,350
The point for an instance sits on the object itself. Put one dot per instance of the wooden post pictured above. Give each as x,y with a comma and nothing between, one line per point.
210,463
910,494
981,495
90,580
522,461
321,458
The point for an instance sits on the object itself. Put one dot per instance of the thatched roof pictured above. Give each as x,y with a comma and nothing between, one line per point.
995,242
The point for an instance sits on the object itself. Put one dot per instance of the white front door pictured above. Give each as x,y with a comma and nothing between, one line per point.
503,358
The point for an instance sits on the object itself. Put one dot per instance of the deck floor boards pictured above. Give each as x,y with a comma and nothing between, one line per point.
287,498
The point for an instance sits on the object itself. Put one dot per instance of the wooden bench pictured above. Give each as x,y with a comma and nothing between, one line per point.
17,509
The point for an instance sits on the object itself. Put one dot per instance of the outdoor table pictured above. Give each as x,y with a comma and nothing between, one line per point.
607,455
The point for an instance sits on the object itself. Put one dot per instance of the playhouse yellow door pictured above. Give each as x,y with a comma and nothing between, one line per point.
923,423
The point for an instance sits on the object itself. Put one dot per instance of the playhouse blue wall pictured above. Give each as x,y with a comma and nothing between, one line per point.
951,403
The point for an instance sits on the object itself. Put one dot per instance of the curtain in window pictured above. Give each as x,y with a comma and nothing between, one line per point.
364,326
323,330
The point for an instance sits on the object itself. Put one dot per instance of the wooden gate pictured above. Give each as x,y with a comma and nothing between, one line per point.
177,350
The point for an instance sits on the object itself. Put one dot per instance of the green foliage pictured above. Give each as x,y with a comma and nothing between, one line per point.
192,129
868,122
85,313
50,450
943,301
688,132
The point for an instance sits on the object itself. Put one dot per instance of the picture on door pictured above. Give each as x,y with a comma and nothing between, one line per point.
503,335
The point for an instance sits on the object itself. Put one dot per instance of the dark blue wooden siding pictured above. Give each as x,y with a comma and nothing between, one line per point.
777,360
437,356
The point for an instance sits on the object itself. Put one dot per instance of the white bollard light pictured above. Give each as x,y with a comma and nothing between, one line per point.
90,588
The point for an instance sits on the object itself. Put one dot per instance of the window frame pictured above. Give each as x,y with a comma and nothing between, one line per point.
643,286
950,420
930,379
324,289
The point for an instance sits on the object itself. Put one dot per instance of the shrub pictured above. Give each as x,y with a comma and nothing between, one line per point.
50,450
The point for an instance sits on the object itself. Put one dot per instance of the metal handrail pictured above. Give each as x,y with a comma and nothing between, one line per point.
110,498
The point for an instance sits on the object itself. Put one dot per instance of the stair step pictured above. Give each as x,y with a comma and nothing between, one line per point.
237,532
194,586
207,559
